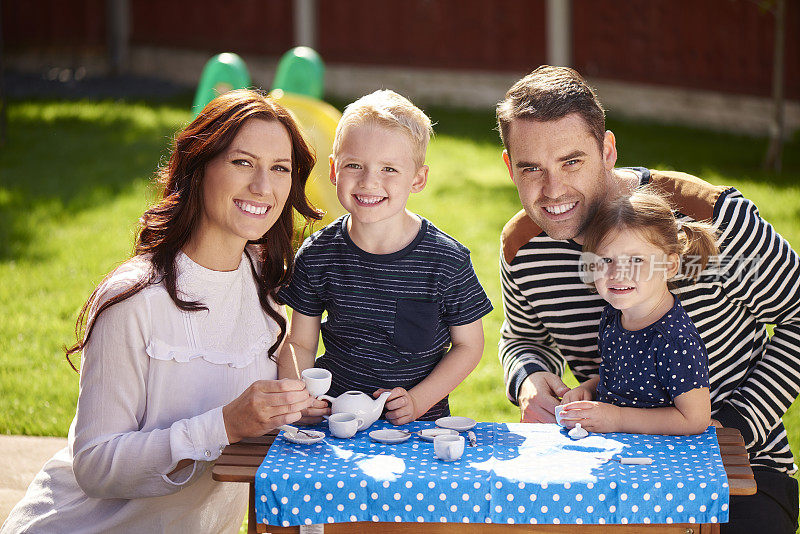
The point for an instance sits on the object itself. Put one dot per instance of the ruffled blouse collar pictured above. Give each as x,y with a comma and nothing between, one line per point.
197,282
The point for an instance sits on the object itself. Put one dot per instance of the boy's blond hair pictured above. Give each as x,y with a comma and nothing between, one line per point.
387,108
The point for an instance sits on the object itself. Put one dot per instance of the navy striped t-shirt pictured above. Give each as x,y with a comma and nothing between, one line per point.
388,315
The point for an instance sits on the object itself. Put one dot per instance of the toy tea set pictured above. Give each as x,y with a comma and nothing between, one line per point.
577,432
353,411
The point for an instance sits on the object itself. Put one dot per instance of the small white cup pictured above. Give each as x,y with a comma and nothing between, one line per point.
318,380
344,424
448,447
558,414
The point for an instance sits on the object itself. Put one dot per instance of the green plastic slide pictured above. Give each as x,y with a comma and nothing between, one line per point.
222,73
298,86
300,71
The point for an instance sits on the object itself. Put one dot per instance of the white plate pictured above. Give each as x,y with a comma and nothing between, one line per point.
455,422
429,433
388,435
302,439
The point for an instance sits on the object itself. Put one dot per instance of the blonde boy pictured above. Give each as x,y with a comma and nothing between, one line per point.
403,303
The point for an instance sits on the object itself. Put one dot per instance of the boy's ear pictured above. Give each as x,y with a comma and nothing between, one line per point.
332,163
420,179
507,160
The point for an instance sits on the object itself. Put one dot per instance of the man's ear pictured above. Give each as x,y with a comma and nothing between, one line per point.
420,179
507,160
609,150
332,163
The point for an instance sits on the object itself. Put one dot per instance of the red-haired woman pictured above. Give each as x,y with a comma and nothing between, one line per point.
178,343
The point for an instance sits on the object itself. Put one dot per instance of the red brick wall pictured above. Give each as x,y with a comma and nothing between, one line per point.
243,26
720,45
44,24
463,34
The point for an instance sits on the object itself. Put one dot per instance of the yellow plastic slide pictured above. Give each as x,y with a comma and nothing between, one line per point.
318,120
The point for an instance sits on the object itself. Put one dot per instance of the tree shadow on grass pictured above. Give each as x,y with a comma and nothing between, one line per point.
60,163
480,127
703,153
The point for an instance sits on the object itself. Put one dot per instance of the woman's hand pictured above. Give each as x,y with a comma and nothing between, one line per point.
264,406
400,405
313,414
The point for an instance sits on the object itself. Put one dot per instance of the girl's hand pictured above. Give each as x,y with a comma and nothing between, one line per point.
400,405
577,394
264,406
313,414
592,415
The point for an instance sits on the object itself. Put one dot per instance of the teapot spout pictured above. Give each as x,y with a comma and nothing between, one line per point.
380,402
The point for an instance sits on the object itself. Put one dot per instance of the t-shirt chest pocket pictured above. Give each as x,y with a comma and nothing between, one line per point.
415,324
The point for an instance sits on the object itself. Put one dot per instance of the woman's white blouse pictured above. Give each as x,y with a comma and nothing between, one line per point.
152,386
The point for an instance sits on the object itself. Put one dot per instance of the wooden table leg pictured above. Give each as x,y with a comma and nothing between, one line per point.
251,510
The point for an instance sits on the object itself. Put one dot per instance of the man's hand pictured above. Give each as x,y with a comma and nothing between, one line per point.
400,405
577,394
593,416
538,397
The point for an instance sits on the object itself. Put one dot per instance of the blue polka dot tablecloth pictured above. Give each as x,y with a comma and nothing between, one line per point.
517,473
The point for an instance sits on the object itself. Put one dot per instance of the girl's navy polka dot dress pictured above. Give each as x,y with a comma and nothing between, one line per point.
648,368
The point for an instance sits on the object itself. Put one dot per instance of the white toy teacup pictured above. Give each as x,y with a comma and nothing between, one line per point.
318,380
448,447
344,424
365,407
558,414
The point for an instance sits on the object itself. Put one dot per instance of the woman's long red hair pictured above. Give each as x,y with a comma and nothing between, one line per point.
167,226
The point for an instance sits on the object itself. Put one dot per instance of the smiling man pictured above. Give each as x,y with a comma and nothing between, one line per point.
561,159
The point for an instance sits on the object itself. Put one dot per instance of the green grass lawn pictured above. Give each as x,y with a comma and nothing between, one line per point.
75,177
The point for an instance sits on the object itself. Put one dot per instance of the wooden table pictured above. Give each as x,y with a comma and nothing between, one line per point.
240,461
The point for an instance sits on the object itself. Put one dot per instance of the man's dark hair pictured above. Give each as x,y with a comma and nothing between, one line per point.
551,93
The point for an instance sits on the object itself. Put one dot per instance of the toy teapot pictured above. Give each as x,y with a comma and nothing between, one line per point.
362,405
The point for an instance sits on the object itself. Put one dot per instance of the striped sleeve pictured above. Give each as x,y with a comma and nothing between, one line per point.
300,294
465,301
525,345
760,270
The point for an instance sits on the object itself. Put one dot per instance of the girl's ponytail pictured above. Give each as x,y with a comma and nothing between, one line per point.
698,245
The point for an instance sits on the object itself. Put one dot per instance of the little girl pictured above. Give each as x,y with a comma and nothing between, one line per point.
654,366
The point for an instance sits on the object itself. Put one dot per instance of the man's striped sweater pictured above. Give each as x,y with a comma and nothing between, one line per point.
551,316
